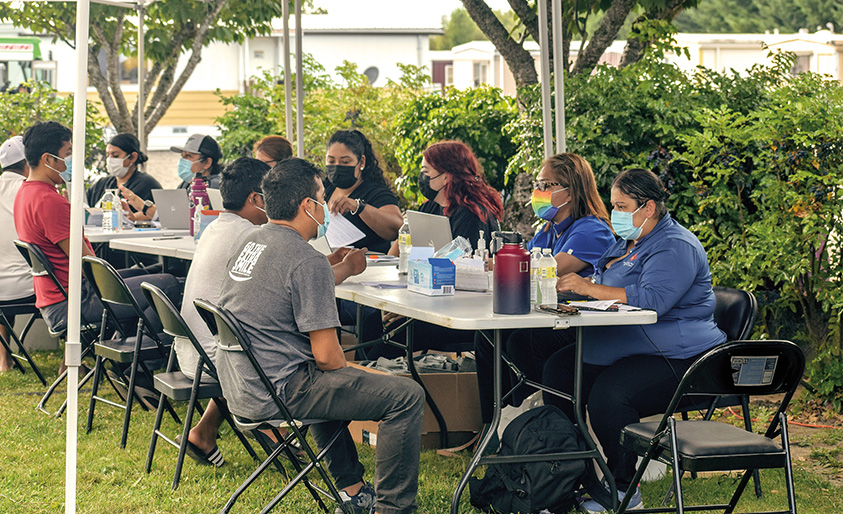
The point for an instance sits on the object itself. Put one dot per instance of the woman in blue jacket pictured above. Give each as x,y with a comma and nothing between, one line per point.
630,372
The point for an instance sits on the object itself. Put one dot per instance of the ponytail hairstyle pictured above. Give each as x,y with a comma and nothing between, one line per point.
468,187
642,186
360,146
129,144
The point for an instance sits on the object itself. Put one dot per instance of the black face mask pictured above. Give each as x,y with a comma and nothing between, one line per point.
424,187
341,176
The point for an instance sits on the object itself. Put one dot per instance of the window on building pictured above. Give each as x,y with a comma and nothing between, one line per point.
801,65
127,68
480,73
449,75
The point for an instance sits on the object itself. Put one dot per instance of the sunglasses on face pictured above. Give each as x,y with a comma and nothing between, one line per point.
542,185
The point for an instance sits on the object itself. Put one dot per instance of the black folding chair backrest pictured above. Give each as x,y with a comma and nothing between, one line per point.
39,263
112,290
735,312
232,338
715,373
173,323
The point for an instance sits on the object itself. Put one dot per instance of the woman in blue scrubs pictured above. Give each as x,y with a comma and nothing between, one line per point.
577,228
630,372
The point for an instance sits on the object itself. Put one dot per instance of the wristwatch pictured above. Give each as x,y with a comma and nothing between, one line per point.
146,205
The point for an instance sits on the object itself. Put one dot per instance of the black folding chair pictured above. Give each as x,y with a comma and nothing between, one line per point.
734,368
41,266
14,310
232,338
146,345
178,386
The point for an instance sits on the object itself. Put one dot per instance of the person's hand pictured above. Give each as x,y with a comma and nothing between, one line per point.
573,282
131,199
342,205
338,255
356,261
133,216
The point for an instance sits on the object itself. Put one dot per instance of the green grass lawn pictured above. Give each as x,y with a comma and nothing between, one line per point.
111,480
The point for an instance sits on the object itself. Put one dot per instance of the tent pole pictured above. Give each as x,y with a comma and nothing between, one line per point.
73,347
141,77
299,86
559,77
288,85
544,47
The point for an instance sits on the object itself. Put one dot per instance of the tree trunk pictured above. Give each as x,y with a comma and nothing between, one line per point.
519,215
518,59
634,49
603,36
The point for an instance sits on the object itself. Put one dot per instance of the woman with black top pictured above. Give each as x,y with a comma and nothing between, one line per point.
124,161
452,180
357,189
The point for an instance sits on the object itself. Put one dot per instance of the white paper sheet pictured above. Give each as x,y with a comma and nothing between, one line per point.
342,232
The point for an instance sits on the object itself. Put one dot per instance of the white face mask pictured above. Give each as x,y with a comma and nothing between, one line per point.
115,167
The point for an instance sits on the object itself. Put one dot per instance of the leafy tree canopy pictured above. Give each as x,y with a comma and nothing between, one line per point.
460,28
756,16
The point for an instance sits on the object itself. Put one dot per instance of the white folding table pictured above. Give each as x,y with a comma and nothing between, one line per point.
473,311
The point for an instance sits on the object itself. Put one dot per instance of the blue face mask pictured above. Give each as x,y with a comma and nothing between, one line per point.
185,173
323,227
67,174
624,226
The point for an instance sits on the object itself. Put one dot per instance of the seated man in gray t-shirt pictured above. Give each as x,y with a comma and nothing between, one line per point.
282,291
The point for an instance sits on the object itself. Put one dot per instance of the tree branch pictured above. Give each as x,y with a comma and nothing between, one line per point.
635,47
195,57
153,74
603,36
519,60
122,122
99,82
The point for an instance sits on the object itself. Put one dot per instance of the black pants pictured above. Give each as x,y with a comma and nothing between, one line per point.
615,396
527,353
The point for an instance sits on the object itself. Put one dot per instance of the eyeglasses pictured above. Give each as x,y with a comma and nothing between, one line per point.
541,185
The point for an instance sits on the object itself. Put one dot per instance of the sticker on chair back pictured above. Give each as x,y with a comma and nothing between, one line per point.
754,370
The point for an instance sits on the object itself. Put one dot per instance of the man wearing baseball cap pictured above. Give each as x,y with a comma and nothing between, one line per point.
200,157
15,280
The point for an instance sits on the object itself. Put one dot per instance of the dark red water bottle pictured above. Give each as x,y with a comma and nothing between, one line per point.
511,293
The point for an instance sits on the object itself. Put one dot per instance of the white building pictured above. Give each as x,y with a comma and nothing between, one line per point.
478,62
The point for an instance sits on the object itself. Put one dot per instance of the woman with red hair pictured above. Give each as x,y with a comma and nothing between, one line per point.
452,180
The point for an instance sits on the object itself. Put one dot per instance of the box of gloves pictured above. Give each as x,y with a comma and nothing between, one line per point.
431,277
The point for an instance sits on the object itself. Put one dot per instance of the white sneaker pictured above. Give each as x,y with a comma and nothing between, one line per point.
635,503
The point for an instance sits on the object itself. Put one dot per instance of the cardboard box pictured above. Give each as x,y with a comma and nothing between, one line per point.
458,400
431,277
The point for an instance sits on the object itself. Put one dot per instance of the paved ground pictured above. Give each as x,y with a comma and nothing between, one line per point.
162,165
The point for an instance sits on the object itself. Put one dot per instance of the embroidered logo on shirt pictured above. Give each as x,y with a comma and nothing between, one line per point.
242,269
631,262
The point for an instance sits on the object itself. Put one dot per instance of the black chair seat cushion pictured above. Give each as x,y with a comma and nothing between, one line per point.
177,385
121,351
707,445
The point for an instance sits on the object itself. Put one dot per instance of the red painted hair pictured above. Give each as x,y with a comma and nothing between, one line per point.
467,187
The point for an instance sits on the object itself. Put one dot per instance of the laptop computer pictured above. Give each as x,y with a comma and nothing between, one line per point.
172,207
429,229
215,197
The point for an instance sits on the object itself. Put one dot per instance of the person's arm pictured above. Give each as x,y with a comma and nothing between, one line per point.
393,249
353,263
385,220
584,286
64,244
567,263
326,349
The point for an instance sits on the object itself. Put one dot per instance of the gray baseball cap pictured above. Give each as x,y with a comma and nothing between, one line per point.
200,143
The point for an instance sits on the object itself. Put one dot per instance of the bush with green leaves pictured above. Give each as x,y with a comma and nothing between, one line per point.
327,107
37,101
476,117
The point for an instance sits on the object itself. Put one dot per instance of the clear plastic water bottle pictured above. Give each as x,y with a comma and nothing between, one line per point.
535,255
107,205
547,278
405,245
197,220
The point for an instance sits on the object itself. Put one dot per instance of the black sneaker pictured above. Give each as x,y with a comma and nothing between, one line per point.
361,503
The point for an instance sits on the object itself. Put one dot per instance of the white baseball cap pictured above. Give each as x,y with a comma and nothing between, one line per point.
12,151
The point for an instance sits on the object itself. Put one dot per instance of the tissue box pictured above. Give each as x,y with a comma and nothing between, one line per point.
471,275
431,277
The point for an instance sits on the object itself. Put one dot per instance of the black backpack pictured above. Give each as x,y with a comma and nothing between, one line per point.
530,487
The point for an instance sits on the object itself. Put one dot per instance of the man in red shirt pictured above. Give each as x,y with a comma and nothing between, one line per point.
42,217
